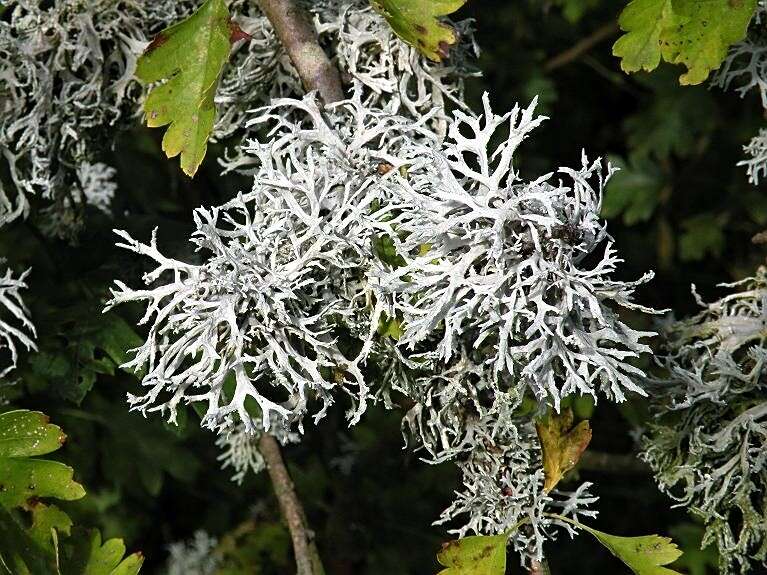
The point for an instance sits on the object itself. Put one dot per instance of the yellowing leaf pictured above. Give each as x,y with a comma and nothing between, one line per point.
562,445
643,21
478,555
644,555
696,33
190,55
415,21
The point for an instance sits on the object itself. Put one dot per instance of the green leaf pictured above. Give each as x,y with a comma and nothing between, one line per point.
78,344
477,555
23,434
702,235
415,21
191,56
28,433
92,557
47,522
644,555
384,248
696,33
562,444
644,22
634,191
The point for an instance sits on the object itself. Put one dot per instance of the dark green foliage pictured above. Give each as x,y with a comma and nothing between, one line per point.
680,206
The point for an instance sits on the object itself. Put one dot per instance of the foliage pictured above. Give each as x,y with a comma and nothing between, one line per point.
190,56
417,24
695,34
377,203
474,556
562,445
48,544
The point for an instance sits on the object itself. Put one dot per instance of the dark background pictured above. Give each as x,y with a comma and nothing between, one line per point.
681,208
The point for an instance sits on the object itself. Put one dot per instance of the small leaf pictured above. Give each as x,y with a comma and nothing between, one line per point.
643,21
644,555
690,32
27,433
415,21
191,56
477,555
562,445
92,557
47,522
24,433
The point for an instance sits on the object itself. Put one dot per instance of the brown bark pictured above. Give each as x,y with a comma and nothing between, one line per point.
307,558
295,30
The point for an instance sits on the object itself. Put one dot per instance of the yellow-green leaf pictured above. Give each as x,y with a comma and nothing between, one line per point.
190,55
644,555
562,445
416,22
644,22
477,555
696,33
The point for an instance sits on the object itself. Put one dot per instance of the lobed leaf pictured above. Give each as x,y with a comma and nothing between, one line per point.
477,555
190,55
644,555
562,445
690,32
415,21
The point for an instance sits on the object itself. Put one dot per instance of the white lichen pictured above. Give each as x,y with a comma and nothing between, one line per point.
16,327
708,447
193,557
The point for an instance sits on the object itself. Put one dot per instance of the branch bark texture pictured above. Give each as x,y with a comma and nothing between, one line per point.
295,30
307,558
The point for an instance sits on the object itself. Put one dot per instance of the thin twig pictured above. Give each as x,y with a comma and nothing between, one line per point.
307,557
295,30
612,463
581,47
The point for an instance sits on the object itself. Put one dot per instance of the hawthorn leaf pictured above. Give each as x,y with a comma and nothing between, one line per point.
416,22
92,557
24,434
23,479
47,522
644,555
690,32
644,22
190,55
20,552
562,445
28,433
476,555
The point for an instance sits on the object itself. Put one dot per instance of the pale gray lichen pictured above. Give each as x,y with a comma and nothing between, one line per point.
708,447
239,448
756,163
368,238
488,256
193,557
743,70
66,83
16,327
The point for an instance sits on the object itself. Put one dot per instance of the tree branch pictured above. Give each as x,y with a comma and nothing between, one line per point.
307,558
581,47
612,463
295,30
